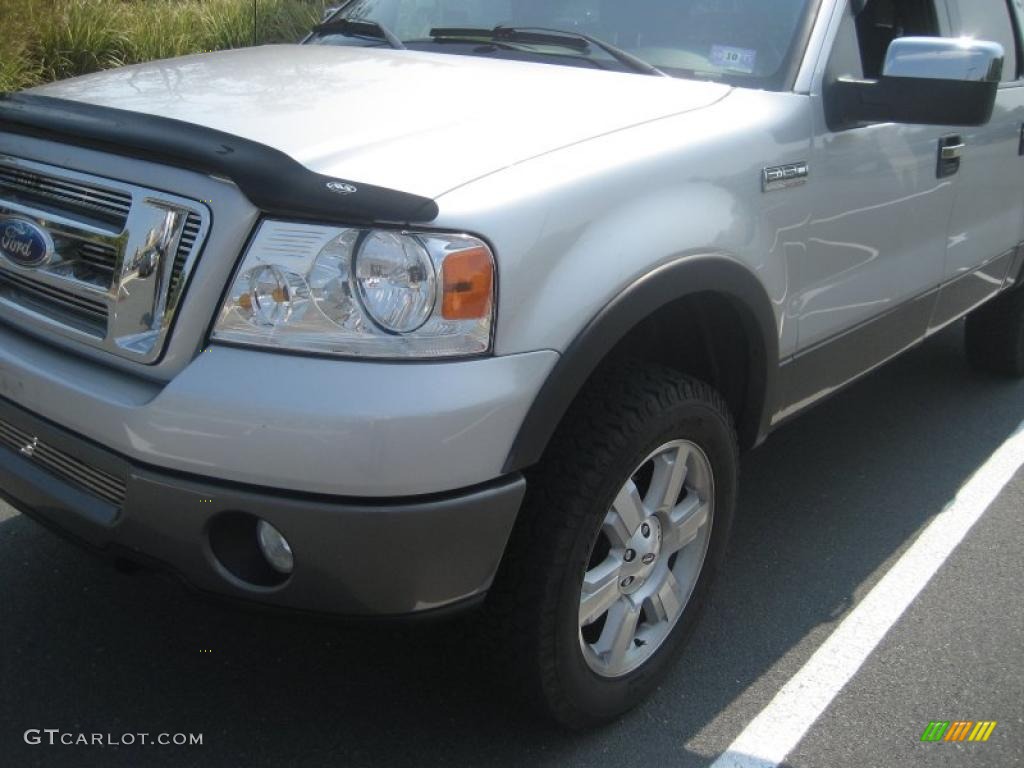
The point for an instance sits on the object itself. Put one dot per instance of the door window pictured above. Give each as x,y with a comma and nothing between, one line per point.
864,39
988,20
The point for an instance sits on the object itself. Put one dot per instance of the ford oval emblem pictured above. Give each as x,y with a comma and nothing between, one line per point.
341,188
23,243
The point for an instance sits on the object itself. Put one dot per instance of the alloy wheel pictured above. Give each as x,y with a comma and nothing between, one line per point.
647,559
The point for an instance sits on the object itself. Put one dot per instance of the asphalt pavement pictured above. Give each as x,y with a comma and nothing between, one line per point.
828,504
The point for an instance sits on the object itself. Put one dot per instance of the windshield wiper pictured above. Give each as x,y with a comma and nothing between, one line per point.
578,41
360,28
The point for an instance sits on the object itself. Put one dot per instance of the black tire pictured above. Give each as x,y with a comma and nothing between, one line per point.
995,336
533,606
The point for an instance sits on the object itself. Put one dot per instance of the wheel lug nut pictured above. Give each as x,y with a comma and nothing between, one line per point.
630,555
645,529
627,582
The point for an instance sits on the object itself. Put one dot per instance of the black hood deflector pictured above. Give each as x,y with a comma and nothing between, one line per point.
273,181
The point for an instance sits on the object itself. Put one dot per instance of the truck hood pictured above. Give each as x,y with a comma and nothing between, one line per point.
422,123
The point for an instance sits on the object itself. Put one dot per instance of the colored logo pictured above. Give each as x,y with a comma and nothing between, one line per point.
958,730
23,243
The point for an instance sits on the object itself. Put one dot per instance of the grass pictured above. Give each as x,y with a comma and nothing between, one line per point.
46,40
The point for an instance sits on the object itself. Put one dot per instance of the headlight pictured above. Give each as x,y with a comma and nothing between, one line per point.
397,282
361,292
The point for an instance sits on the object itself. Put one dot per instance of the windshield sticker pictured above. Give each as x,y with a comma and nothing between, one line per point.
734,59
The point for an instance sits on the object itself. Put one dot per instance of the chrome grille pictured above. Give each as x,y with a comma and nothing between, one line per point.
84,199
90,479
119,260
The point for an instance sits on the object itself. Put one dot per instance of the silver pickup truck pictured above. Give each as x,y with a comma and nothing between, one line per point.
475,303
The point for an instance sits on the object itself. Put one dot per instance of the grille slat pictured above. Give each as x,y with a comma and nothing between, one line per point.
98,257
95,481
73,301
91,196
63,464
188,241
69,465
79,198
79,312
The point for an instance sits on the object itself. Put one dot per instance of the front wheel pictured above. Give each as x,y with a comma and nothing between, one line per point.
647,559
625,522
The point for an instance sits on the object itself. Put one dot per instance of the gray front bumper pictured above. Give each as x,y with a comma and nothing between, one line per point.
354,557
306,424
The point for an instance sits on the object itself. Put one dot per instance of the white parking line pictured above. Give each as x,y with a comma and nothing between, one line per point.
780,726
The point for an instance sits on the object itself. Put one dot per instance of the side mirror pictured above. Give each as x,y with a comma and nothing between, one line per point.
940,58
925,81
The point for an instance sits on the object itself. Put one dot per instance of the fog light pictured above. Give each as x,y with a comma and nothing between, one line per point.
275,548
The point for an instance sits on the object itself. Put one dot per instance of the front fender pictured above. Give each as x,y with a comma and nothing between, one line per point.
686,277
595,237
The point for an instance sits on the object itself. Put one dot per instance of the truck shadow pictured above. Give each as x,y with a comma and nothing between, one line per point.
825,504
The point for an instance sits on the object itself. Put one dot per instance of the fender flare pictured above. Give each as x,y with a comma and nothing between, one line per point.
711,273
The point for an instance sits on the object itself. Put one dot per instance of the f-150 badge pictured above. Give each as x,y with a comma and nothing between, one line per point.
784,176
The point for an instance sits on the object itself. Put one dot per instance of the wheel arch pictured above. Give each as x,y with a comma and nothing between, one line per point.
676,284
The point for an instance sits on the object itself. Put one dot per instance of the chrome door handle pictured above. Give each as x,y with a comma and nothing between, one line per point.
953,151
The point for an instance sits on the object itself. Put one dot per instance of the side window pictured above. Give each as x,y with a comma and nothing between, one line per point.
882,21
988,20
864,38
845,60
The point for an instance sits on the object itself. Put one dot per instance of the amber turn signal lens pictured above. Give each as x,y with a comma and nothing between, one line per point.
280,295
468,285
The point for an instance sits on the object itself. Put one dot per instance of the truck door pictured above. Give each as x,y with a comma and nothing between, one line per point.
988,211
877,240
869,278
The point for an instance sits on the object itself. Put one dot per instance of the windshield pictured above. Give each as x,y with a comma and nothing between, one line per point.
744,42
